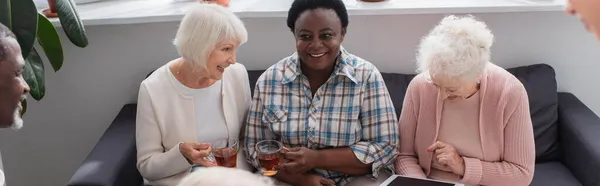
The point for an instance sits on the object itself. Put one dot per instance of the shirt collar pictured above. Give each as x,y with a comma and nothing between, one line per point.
343,67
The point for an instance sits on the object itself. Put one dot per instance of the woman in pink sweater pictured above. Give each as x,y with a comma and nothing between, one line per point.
465,119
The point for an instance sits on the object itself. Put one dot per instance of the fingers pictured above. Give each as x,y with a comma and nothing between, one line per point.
201,146
444,161
435,146
293,155
439,156
446,150
285,149
200,154
206,163
296,149
290,167
327,182
203,153
440,151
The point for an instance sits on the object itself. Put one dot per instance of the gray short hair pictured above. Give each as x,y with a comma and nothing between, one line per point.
458,47
222,176
204,26
5,33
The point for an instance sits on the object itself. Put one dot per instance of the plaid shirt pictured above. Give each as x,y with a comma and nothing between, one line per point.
352,109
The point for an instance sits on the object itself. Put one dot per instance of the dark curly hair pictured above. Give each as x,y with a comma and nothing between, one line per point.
300,6
4,33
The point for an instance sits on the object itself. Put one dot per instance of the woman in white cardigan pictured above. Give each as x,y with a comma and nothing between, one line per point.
198,98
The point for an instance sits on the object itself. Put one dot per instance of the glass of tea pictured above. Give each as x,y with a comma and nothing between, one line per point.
225,152
269,154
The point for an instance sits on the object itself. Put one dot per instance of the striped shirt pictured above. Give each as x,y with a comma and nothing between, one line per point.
352,109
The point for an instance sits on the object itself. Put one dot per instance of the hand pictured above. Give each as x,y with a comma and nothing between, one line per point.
313,180
447,156
299,160
197,153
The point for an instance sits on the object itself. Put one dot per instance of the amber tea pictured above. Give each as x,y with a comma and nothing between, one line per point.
226,157
225,152
268,155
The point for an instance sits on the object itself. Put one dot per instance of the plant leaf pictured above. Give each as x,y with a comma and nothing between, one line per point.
71,23
48,38
23,22
34,75
5,12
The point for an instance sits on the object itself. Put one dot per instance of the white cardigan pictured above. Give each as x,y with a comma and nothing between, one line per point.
166,117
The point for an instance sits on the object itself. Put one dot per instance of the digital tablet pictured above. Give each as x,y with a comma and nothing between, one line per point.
397,180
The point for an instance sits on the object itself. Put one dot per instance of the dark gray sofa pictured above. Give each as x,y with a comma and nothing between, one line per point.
567,146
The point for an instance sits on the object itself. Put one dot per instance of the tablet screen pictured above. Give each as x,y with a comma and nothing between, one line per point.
403,181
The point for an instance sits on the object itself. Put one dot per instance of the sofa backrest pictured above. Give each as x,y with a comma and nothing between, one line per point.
540,83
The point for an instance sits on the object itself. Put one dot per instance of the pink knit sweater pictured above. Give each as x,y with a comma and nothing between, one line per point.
505,130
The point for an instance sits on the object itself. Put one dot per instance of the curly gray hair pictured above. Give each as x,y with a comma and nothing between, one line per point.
457,48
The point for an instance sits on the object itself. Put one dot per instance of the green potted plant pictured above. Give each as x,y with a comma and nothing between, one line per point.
31,27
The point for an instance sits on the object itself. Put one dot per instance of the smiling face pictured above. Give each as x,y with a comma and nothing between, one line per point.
589,13
13,88
220,58
319,34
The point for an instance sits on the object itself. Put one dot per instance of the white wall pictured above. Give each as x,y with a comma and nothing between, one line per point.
84,97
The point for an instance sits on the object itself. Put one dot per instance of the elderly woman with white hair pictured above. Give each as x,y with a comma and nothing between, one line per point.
464,119
201,97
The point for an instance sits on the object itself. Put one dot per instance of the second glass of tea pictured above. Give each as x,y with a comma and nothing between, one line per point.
269,154
225,152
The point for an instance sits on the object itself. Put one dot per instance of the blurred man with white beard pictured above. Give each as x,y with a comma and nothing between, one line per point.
13,88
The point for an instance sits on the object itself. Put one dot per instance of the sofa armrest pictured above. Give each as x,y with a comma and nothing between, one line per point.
113,159
579,130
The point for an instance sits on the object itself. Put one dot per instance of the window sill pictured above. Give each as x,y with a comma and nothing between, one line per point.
109,12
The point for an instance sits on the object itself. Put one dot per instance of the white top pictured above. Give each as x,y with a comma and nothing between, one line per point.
166,116
210,120
209,113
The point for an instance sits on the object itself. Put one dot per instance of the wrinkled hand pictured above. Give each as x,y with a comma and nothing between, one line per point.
299,160
314,180
447,156
197,153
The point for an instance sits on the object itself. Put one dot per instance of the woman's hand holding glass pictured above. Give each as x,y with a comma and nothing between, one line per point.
197,153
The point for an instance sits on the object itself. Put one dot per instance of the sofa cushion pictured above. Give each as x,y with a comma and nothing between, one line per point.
540,83
396,85
553,174
253,76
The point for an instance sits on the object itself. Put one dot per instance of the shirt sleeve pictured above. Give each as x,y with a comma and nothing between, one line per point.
256,129
379,126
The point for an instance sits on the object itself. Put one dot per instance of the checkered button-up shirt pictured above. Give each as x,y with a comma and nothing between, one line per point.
352,109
